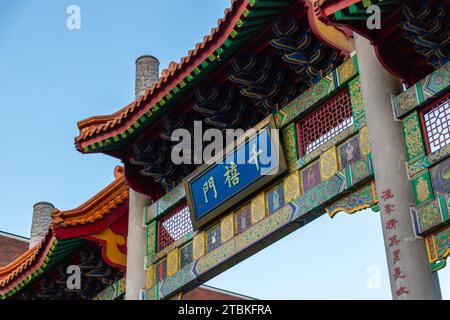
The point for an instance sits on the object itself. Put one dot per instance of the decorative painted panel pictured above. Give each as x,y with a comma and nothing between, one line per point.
186,255
306,159
349,152
356,98
275,198
428,161
296,213
429,87
328,163
422,190
364,143
429,216
172,262
360,170
212,189
258,207
227,227
292,186
150,276
317,93
151,242
437,82
213,238
438,247
165,203
113,291
173,226
311,176
243,219
199,245
295,200
415,148
324,123
289,135
330,188
440,175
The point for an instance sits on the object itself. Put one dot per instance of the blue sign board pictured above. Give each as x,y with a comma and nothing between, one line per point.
255,159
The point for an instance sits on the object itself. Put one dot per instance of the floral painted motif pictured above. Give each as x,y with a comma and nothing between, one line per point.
328,164
290,143
422,190
356,201
151,242
441,177
227,227
429,216
413,137
242,241
356,98
364,143
437,82
292,187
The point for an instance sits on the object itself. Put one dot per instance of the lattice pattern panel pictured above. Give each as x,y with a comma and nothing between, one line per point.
174,226
327,121
436,120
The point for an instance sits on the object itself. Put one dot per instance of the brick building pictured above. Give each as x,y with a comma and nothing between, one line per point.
11,247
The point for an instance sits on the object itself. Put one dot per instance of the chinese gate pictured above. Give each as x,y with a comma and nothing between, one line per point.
344,130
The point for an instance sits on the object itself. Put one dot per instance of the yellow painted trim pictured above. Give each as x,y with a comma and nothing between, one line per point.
172,262
258,208
292,187
198,246
227,227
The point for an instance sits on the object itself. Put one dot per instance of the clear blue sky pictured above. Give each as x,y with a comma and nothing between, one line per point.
51,77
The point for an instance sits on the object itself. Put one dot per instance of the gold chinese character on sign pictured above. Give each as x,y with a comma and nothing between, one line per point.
231,175
254,156
207,186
